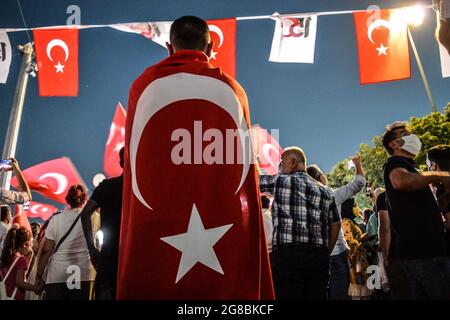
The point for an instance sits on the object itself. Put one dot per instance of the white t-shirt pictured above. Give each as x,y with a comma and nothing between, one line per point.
72,253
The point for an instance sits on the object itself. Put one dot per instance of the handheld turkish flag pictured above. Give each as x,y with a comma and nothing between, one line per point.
267,150
41,210
115,142
383,47
52,178
223,54
57,61
192,224
20,217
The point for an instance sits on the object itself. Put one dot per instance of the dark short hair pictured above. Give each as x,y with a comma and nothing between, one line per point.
367,212
5,212
389,135
189,32
314,171
76,196
347,208
440,154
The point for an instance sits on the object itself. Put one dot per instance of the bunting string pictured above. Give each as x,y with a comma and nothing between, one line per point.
261,17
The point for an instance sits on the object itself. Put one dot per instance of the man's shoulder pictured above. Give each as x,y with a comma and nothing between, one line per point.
327,191
110,183
396,162
164,68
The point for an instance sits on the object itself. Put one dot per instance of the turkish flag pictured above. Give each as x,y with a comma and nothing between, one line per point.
191,222
267,150
41,210
57,61
223,55
383,46
115,142
20,217
52,178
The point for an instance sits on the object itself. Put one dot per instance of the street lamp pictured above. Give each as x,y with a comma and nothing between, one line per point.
413,16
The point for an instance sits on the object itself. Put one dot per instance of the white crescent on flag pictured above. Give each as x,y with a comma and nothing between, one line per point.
379,23
60,179
57,43
189,86
216,29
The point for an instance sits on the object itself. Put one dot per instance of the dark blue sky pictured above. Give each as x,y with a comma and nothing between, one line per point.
320,107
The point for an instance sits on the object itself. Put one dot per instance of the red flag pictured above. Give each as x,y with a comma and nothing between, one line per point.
57,60
52,178
41,210
20,217
383,46
267,150
191,224
115,142
223,55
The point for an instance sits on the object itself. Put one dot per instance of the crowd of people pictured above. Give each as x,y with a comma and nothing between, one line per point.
321,244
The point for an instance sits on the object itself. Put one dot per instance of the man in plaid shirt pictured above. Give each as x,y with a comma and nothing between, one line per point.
306,225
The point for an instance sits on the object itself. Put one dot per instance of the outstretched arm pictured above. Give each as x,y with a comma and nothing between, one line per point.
404,180
23,185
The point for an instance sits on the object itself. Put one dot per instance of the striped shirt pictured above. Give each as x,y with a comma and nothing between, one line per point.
13,197
302,209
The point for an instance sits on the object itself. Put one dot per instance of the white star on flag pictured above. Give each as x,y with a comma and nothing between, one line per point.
382,50
196,245
59,67
213,54
119,146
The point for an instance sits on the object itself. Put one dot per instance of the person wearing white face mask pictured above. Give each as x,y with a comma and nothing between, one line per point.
422,268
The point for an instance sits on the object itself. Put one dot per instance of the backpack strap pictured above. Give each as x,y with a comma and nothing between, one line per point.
67,233
10,269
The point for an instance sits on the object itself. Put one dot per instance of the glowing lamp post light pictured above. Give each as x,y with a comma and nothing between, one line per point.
413,16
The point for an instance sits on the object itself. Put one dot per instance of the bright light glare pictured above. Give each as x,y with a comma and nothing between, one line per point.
411,15
415,15
99,236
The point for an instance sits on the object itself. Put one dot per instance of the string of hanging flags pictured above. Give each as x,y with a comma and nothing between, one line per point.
382,38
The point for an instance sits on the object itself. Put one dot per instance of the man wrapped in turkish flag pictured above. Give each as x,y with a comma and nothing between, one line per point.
192,225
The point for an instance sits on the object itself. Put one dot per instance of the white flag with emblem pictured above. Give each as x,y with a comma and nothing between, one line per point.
294,39
5,56
445,58
156,31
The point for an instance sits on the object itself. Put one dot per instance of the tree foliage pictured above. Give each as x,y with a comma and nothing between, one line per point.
432,129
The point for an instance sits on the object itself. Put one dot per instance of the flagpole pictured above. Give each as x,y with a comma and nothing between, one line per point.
10,145
422,73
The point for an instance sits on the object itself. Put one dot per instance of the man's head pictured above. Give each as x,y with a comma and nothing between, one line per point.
5,214
367,213
398,140
317,174
438,158
189,33
293,160
121,156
